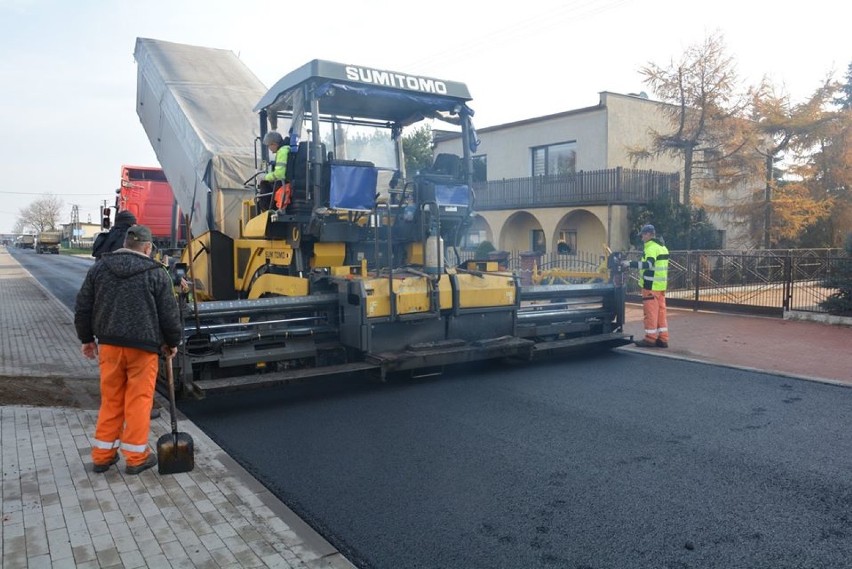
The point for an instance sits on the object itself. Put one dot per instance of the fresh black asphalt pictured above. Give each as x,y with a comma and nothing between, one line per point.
617,461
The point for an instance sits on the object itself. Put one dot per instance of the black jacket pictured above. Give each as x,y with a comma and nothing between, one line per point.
110,241
127,300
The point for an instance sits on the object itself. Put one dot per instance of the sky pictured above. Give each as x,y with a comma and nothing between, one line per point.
68,97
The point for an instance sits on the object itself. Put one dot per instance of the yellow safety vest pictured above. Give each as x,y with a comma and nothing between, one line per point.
654,266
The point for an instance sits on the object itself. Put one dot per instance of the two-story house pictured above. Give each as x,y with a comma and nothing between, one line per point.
564,182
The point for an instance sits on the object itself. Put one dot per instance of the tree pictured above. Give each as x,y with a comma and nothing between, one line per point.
785,203
417,147
844,98
683,227
698,92
767,164
824,165
840,302
40,215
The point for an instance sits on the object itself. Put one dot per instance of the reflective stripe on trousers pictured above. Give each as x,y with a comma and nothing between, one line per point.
128,376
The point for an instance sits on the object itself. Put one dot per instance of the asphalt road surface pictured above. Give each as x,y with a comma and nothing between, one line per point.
618,461
62,275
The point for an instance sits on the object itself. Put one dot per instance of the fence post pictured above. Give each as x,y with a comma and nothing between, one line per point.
619,186
788,282
530,261
696,300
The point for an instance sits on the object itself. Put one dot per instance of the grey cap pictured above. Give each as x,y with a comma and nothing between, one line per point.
648,228
273,137
140,234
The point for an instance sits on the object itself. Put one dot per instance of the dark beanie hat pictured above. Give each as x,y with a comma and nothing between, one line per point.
125,217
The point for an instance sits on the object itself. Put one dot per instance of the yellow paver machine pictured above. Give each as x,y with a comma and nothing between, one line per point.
352,275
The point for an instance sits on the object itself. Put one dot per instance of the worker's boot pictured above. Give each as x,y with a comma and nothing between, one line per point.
661,343
101,468
150,461
643,343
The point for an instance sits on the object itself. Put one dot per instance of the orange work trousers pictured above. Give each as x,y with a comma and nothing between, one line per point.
128,377
281,197
654,312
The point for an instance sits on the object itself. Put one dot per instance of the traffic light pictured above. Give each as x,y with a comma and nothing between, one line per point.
105,222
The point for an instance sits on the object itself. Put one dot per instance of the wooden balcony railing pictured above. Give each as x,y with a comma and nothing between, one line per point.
614,186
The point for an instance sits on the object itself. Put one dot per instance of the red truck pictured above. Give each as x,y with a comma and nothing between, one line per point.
145,192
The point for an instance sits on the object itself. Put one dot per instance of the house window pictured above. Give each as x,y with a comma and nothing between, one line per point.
480,168
474,238
554,159
539,245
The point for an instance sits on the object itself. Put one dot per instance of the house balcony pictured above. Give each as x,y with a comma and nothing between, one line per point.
617,186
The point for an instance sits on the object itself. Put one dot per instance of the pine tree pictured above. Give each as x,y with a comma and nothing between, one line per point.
840,302
682,226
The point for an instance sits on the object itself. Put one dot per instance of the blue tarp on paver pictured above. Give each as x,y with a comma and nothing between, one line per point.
353,187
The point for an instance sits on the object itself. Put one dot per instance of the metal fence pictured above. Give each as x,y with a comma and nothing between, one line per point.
766,282
553,267
612,186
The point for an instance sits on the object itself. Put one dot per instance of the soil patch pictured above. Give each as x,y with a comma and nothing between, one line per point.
50,392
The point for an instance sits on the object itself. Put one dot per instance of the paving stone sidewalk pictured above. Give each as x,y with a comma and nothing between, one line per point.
57,513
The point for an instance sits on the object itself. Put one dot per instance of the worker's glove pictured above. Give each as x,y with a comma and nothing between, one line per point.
625,264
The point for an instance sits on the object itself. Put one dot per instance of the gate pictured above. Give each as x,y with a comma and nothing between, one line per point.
764,282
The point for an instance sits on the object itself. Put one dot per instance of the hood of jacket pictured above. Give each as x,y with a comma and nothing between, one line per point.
124,263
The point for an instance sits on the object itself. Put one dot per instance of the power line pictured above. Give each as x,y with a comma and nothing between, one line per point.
40,194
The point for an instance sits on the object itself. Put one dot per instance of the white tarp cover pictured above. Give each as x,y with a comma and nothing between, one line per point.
195,104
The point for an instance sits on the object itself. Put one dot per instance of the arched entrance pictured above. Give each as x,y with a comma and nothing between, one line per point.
580,231
479,231
523,232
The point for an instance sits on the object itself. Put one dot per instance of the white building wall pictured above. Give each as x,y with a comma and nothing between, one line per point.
509,149
630,120
603,133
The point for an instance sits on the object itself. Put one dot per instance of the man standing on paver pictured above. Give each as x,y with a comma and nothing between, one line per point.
128,304
653,278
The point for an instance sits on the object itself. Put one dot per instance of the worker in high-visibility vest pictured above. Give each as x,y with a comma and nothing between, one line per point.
653,278
273,189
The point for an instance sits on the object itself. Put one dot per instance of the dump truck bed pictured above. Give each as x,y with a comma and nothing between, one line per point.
195,106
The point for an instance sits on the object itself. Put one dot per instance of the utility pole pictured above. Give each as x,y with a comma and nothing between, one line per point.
75,225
